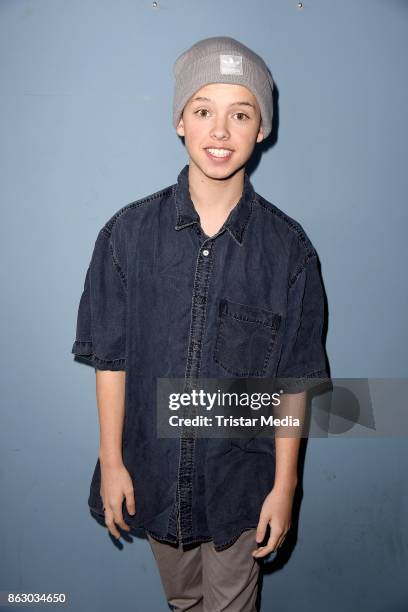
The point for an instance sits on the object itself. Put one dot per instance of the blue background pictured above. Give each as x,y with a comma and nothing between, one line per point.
85,121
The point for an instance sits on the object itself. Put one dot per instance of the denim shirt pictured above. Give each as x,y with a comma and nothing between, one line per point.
162,299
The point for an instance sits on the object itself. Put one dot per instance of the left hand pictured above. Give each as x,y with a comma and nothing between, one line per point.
276,511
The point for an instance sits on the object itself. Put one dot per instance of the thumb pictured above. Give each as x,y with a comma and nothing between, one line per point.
130,503
261,529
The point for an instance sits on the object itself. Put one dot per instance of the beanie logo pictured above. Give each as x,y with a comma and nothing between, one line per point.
231,64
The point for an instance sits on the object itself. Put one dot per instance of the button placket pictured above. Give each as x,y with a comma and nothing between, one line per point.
187,436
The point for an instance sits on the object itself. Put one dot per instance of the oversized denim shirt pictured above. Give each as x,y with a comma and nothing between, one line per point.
162,299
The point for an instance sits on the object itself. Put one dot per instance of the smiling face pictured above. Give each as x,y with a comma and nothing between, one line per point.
221,125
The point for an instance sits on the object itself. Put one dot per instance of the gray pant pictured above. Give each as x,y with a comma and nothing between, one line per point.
204,580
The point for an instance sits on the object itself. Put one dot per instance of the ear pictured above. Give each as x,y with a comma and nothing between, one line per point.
180,128
260,136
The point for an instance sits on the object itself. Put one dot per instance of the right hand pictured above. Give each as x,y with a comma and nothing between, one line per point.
116,484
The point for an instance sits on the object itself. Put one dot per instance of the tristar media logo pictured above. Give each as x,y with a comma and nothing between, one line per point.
231,64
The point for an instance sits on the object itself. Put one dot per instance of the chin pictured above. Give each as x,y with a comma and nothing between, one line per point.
218,172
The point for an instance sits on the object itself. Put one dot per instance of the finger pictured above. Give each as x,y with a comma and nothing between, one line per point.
261,529
130,503
109,522
281,541
119,520
263,551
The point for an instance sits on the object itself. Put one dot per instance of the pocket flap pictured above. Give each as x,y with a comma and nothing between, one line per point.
251,314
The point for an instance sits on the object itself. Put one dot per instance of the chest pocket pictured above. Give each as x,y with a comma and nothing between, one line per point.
245,338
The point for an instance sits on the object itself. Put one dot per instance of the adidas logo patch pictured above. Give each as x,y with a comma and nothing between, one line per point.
231,64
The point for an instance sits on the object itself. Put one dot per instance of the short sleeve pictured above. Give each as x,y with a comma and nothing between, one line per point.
101,322
303,356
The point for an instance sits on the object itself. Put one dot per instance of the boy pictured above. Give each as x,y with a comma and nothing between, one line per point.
203,278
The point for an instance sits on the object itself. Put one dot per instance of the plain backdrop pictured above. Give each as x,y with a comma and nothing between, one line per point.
85,120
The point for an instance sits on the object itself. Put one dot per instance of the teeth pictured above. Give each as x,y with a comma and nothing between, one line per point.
219,152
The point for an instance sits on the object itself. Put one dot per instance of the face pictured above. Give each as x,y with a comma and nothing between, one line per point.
221,125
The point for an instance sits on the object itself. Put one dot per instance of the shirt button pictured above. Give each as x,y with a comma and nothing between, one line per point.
206,252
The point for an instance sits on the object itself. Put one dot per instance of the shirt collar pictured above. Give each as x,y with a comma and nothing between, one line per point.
237,219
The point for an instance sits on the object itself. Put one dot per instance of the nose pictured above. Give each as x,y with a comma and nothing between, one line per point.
219,130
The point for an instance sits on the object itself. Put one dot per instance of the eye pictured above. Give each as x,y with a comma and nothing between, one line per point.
197,112
240,114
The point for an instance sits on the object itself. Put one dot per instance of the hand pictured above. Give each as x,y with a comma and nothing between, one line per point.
276,511
116,483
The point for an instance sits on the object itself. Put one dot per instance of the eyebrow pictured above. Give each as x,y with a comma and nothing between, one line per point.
241,103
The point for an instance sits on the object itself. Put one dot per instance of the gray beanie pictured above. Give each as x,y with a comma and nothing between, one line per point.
222,59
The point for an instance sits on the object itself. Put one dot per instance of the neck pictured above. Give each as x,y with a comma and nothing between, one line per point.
214,195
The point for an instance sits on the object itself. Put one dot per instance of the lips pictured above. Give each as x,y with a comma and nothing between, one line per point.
218,153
